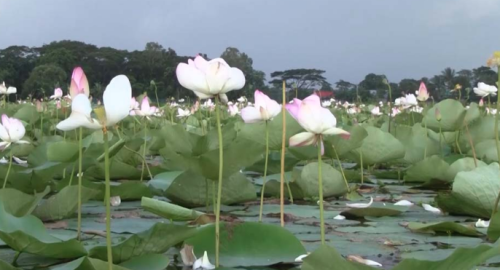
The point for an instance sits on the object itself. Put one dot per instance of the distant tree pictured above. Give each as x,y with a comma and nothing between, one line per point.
304,80
441,90
342,85
372,82
448,75
485,75
43,80
408,86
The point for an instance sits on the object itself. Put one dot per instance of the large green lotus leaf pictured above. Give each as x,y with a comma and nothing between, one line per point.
149,262
431,168
22,150
118,170
248,244
487,151
18,203
256,131
462,165
35,179
474,192
378,147
452,112
157,142
190,189
158,239
86,263
450,202
333,183
446,227
168,210
127,190
273,187
274,163
494,227
461,259
161,182
28,235
7,266
62,151
473,113
481,130
27,113
376,210
416,142
63,204
407,118
327,258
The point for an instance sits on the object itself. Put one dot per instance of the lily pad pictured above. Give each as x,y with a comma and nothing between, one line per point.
443,227
431,168
168,210
376,210
248,244
452,116
327,258
378,147
18,203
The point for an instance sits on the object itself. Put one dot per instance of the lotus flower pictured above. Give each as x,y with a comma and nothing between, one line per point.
203,263
11,131
326,103
264,109
183,113
208,104
376,111
242,99
481,102
7,91
79,83
316,120
116,100
411,100
134,105
58,93
484,90
233,110
422,93
146,109
209,78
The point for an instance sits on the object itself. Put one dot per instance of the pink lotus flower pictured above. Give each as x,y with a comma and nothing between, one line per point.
316,120
58,93
134,105
146,109
233,109
209,78
481,103
79,83
264,109
422,93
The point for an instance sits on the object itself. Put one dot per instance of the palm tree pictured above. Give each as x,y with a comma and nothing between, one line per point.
449,75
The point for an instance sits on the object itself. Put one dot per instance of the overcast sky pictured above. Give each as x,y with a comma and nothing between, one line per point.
348,39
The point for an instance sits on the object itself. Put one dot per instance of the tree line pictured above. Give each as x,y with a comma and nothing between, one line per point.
37,71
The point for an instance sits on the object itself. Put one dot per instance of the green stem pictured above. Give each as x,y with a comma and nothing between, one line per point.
107,195
320,185
8,170
71,175
456,142
426,140
361,163
219,190
41,123
440,141
207,201
290,195
80,157
342,169
265,174
144,152
14,261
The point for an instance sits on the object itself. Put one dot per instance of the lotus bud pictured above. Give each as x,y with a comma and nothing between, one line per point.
438,115
481,103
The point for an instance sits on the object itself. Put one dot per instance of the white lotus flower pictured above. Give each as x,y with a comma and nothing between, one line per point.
233,110
146,109
264,109
395,111
376,111
58,93
339,217
482,223
11,131
352,111
404,203
431,208
181,100
410,100
326,103
491,111
208,104
484,90
360,205
209,78
116,99
203,263
183,113
4,90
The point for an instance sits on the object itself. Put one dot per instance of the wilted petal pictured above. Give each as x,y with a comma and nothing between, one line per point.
404,203
360,205
116,99
431,208
303,139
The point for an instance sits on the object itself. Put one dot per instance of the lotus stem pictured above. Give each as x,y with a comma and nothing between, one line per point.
361,163
8,170
440,141
219,189
283,145
471,144
426,140
71,175
207,201
80,157
456,142
342,169
320,187
265,174
57,120
144,152
290,195
41,124
107,195
495,206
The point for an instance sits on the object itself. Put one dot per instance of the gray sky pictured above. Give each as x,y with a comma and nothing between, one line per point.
348,39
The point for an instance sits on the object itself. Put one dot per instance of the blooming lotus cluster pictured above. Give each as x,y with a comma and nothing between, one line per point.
406,101
11,131
376,111
316,120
